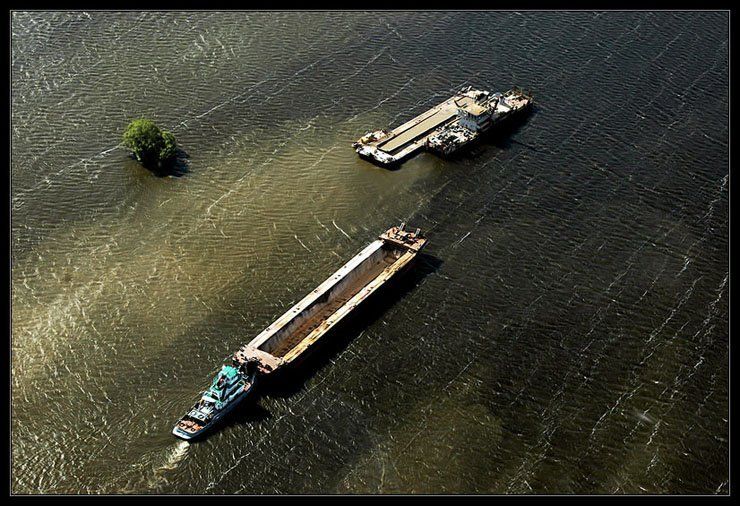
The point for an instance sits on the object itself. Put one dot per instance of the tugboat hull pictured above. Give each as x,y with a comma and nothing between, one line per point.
189,436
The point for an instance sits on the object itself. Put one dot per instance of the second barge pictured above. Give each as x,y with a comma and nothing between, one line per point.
295,333
445,128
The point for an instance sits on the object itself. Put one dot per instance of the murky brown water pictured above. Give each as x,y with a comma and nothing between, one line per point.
568,333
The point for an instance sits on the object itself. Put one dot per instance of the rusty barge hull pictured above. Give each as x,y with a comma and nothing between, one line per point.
294,334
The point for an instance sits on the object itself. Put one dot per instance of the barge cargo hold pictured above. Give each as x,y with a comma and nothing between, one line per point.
445,128
294,333
292,336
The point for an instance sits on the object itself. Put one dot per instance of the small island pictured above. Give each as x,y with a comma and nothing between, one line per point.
154,148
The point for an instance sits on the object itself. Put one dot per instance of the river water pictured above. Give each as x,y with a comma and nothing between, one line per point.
567,331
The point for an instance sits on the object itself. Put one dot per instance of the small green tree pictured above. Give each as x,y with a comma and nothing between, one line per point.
152,146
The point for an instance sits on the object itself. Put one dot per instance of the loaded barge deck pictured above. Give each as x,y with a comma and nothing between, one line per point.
445,128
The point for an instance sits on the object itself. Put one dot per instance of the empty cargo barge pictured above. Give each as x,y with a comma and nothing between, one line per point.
292,336
445,128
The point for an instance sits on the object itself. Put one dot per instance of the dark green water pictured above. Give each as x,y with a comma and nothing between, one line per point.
569,333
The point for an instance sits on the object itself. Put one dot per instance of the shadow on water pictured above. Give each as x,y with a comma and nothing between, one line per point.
293,379
502,136
178,167
247,412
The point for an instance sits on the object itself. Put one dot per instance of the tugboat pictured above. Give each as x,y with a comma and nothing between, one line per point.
232,384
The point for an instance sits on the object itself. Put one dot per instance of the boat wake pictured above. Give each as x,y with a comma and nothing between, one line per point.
175,456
